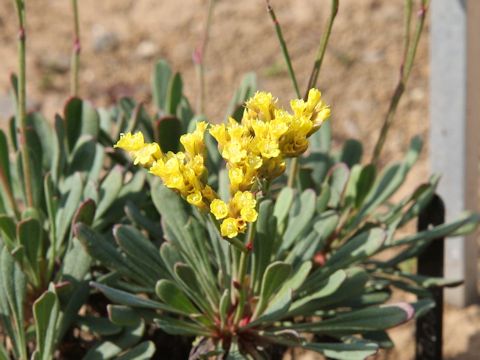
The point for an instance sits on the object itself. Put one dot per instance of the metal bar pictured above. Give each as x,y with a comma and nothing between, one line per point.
429,333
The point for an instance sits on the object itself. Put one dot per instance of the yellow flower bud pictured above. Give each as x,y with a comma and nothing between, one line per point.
195,199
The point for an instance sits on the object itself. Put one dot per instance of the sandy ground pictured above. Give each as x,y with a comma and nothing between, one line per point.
122,38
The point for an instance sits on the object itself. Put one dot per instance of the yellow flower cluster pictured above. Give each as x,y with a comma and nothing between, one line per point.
184,172
254,150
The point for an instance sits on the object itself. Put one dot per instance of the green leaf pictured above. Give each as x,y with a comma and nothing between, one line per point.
101,249
273,279
352,152
143,351
8,231
168,130
160,81
171,295
116,344
70,199
80,119
30,236
283,204
127,299
180,327
109,190
122,315
325,289
359,321
140,249
98,325
322,139
45,312
174,94
12,297
338,179
300,217
85,213
5,174
341,351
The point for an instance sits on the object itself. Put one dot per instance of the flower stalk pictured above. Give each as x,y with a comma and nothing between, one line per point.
199,58
294,165
76,48
411,46
22,102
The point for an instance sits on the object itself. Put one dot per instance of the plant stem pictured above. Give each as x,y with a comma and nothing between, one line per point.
75,62
22,102
315,71
312,82
242,270
405,70
283,45
199,58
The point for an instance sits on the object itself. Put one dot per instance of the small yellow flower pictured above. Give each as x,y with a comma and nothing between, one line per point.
195,198
193,142
130,142
219,209
249,215
146,155
229,228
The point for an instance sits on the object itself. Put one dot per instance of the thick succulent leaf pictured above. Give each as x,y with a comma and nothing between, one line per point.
301,215
109,190
170,294
30,236
351,153
342,351
140,219
174,94
358,321
99,325
168,130
389,181
160,80
282,206
70,199
322,139
263,242
116,344
273,279
180,327
143,351
123,315
127,299
325,289
352,287
45,313
13,289
80,119
5,173
101,249
136,246
337,179
357,249
318,163
8,231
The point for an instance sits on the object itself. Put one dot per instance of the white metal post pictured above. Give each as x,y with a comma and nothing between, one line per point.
455,130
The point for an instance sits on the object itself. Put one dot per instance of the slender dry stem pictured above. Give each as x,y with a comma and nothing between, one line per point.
405,71
199,58
22,102
76,48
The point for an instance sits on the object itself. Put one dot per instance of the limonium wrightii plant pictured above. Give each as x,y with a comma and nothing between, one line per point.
251,260
260,263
